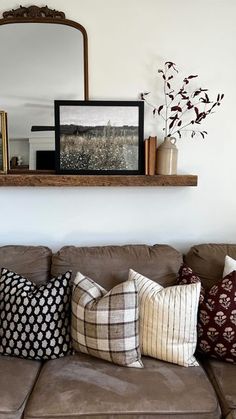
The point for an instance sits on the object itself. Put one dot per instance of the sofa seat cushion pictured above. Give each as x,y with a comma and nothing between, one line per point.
223,377
17,378
82,386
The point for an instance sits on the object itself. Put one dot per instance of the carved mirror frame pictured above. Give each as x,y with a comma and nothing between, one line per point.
36,14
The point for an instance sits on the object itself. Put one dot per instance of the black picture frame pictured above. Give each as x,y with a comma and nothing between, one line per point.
90,137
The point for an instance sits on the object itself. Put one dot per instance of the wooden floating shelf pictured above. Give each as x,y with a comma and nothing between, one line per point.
44,180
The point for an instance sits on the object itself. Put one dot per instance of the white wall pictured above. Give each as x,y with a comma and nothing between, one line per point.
128,41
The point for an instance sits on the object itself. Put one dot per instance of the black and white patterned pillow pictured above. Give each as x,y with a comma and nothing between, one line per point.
34,320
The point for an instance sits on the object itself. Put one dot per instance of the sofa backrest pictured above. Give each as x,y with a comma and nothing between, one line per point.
207,261
109,265
32,262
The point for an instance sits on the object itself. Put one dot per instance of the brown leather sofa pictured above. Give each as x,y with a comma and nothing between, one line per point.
80,386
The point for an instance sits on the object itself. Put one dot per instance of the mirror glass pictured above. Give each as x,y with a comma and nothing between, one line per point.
40,62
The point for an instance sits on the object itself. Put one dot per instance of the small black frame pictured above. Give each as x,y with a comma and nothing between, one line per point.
99,137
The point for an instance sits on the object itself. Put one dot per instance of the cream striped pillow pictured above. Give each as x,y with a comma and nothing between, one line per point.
167,320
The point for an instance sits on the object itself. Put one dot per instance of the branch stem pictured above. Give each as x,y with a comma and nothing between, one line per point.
166,105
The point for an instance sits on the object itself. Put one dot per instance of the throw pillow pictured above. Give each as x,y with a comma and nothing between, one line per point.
217,320
217,316
230,265
34,320
187,276
168,320
105,324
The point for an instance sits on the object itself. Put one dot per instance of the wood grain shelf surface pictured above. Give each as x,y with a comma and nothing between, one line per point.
44,180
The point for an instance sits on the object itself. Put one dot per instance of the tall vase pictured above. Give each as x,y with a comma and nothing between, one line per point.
167,156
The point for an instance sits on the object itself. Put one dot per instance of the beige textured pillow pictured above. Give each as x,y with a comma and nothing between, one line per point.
230,266
167,320
105,324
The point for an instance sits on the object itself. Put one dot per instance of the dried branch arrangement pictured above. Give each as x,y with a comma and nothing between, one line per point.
184,109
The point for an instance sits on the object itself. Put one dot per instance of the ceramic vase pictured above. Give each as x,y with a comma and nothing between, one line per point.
167,157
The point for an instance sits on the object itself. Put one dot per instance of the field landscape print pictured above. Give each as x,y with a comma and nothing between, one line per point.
99,138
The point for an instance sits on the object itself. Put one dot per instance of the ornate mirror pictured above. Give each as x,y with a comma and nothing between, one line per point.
43,58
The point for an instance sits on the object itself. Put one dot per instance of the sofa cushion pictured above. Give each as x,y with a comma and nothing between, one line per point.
105,324
207,261
217,320
230,265
223,377
187,276
17,378
82,386
32,262
34,320
217,316
167,320
109,265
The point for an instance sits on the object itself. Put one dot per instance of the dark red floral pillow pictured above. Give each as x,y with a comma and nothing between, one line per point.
187,276
217,320
217,316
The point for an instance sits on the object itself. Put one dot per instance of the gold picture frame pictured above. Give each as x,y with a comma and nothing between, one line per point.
3,143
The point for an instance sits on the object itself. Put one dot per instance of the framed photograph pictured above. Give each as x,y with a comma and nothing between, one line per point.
3,143
99,137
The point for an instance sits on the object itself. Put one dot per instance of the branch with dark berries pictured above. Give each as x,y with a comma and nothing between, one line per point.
184,109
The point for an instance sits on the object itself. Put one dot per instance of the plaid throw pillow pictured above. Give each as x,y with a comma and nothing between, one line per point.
105,324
